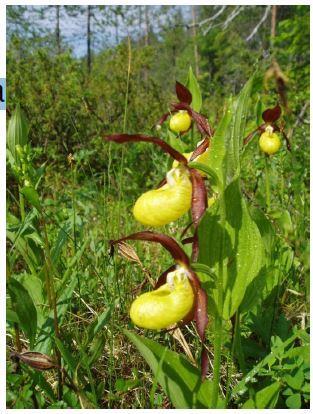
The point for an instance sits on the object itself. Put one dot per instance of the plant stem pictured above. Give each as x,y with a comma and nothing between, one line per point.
17,339
231,356
217,359
73,171
22,204
127,84
49,270
120,193
218,323
267,184
238,346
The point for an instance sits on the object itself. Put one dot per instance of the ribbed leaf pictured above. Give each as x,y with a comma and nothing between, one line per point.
99,323
43,343
70,361
180,380
17,131
32,197
267,397
227,141
228,237
218,150
24,308
239,243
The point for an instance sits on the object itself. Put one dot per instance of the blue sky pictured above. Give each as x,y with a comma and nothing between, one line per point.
73,28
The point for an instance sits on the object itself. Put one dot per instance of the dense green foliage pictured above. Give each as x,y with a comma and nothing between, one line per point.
69,193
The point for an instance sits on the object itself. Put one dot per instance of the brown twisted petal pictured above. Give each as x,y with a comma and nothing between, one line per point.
281,130
122,138
272,114
167,242
199,202
202,124
201,305
195,247
200,149
199,205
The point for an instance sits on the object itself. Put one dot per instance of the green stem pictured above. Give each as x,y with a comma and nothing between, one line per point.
127,84
217,359
238,346
120,193
18,344
218,323
231,357
49,270
73,206
22,204
267,183
73,170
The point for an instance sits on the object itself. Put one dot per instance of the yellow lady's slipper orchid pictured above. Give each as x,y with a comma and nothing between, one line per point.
165,306
180,122
166,204
269,142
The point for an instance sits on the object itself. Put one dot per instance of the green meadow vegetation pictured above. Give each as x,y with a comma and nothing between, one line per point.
73,179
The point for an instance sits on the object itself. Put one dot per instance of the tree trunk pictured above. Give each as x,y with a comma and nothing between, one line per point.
140,23
57,29
145,69
194,35
146,26
88,39
273,22
116,29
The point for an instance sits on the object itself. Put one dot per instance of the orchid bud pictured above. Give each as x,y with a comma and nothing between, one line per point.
165,306
167,203
19,151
